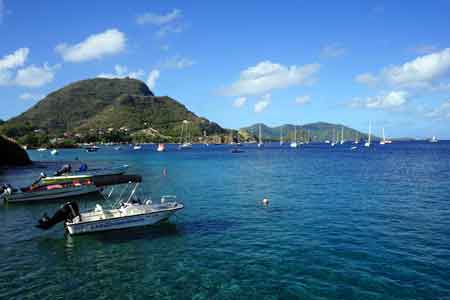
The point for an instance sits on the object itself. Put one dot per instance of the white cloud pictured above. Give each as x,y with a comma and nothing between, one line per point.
5,77
122,72
158,20
366,78
34,76
333,50
421,72
168,23
262,103
14,60
440,112
30,96
267,76
393,99
152,77
96,46
239,102
177,62
171,28
302,100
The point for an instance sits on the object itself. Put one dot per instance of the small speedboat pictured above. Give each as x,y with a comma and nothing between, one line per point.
161,148
137,147
130,213
54,152
293,145
66,174
41,149
40,192
186,146
93,148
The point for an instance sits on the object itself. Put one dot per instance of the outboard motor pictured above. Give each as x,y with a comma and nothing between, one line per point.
6,189
67,168
66,213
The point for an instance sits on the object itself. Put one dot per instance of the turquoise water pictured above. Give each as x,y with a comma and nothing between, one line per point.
341,224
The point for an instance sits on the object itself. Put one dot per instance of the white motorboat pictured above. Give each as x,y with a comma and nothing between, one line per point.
130,213
137,147
48,192
54,152
161,148
41,149
92,148
186,146
433,139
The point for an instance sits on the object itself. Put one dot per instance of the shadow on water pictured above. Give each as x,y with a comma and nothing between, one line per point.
206,227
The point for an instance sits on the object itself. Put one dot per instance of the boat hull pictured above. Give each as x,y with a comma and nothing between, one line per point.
51,195
62,179
139,220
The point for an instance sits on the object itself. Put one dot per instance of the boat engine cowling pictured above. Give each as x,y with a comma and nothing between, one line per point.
67,212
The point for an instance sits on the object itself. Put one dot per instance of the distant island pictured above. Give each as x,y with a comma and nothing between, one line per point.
104,110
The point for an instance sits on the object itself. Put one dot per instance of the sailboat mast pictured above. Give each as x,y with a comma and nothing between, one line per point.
281,135
260,134
370,131
182,131
384,138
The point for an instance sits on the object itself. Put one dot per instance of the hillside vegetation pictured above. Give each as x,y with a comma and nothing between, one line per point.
98,108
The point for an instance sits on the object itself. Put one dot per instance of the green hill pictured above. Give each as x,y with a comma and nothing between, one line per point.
314,132
107,105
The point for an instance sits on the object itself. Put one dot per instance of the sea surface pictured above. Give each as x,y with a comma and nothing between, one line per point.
341,224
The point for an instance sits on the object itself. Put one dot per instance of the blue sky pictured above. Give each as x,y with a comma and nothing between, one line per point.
240,63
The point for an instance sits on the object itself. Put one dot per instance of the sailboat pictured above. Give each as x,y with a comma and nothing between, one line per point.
342,135
185,136
260,143
367,144
333,141
238,140
356,139
384,140
294,142
205,138
433,139
281,136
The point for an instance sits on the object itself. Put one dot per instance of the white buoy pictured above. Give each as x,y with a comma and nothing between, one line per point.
265,201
